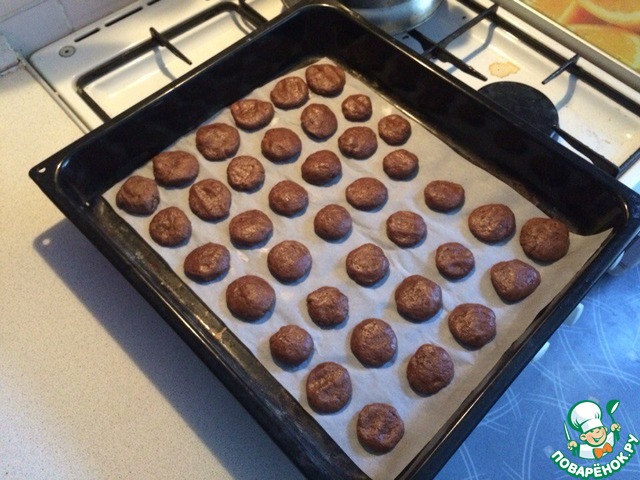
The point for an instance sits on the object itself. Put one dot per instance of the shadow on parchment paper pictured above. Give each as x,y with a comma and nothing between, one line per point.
193,390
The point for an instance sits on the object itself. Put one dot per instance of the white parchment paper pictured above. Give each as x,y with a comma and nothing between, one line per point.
422,416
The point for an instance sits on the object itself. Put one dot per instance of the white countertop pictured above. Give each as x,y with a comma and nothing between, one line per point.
93,383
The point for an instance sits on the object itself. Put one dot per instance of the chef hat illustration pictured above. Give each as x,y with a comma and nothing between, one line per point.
585,416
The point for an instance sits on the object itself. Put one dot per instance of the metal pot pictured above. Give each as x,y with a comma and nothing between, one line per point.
393,16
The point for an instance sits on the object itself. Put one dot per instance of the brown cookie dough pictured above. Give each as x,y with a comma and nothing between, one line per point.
217,141
544,239
175,168
325,79
327,306
400,165
358,142
281,145
514,280
290,92
366,194
406,229
289,261
454,260
394,129
291,345
250,229
332,223
288,198
367,264
472,324
251,113
418,298
210,199
357,108
138,196
492,223
373,342
379,427
245,174
250,298
170,227
321,168
443,196
207,262
318,121
430,369
328,387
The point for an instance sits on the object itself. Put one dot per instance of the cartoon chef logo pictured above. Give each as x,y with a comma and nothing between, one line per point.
596,443
597,440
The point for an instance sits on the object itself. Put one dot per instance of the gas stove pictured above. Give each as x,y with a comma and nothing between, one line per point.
105,68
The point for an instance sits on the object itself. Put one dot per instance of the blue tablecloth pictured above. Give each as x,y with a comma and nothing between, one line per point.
597,358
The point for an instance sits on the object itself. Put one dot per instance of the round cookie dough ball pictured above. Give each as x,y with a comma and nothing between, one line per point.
394,129
251,228
366,194
318,121
358,142
291,345
328,387
430,369
325,79
514,280
170,227
138,196
400,165
321,168
454,261
250,298
175,168
251,113
290,92
373,342
472,324
332,223
288,198
217,141
544,239
289,261
245,174
328,306
357,108
367,265
281,145
444,196
210,199
418,298
207,262
406,229
379,427
492,223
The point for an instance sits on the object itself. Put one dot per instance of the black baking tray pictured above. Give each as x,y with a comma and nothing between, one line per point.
559,182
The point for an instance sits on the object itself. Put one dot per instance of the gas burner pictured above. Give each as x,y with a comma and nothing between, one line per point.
524,101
